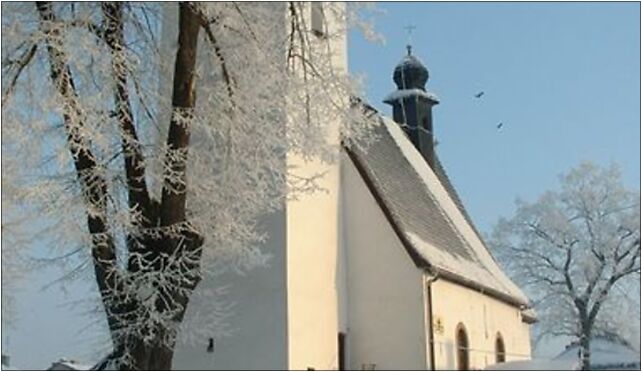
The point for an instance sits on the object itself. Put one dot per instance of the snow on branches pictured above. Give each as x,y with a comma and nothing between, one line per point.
156,157
572,248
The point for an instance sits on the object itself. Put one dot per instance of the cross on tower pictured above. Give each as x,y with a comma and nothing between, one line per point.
410,28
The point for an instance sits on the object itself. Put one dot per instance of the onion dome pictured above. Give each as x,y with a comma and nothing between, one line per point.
410,73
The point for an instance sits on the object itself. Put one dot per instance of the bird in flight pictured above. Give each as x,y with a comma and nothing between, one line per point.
478,95
499,126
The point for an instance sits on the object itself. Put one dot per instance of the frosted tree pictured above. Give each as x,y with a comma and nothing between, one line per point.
147,161
572,249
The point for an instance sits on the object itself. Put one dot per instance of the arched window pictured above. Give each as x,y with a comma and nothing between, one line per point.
500,349
462,348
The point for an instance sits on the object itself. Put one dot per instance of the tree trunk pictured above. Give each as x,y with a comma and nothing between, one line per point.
585,351
139,344
146,357
172,209
157,354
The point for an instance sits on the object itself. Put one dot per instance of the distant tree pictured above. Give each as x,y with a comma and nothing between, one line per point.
619,317
571,250
145,147
13,269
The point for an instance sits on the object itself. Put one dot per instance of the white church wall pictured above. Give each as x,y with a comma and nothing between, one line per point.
483,318
312,238
257,321
385,300
342,262
312,241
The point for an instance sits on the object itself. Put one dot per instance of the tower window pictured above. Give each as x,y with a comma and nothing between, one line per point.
318,19
462,348
500,349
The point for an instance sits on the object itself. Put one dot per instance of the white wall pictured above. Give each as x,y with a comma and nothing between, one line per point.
385,289
312,239
483,317
312,247
258,324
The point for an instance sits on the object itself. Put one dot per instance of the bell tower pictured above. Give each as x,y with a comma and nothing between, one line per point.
412,104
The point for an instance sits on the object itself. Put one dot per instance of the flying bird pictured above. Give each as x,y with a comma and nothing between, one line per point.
478,95
499,126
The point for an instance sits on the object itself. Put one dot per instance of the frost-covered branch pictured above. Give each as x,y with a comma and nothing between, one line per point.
24,60
132,153
572,247
114,153
88,174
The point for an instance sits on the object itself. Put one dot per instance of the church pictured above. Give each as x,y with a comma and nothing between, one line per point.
385,270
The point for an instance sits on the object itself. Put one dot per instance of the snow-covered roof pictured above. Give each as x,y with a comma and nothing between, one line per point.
533,365
428,215
415,92
6,367
605,354
65,364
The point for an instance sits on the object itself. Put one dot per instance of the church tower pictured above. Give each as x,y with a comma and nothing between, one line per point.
286,314
412,104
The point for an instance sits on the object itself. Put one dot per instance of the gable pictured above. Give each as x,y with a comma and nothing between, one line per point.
427,215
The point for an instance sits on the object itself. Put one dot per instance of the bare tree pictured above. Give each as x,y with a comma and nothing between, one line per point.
571,248
147,178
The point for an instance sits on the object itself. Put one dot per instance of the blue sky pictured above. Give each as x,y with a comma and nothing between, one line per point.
564,78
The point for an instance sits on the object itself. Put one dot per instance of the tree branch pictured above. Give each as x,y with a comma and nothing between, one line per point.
134,162
567,273
183,102
245,21
297,23
229,82
26,57
93,184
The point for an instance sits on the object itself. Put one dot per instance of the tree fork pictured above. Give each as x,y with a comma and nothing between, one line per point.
186,243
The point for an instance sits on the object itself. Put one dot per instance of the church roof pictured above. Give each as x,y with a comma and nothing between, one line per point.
428,215
606,353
